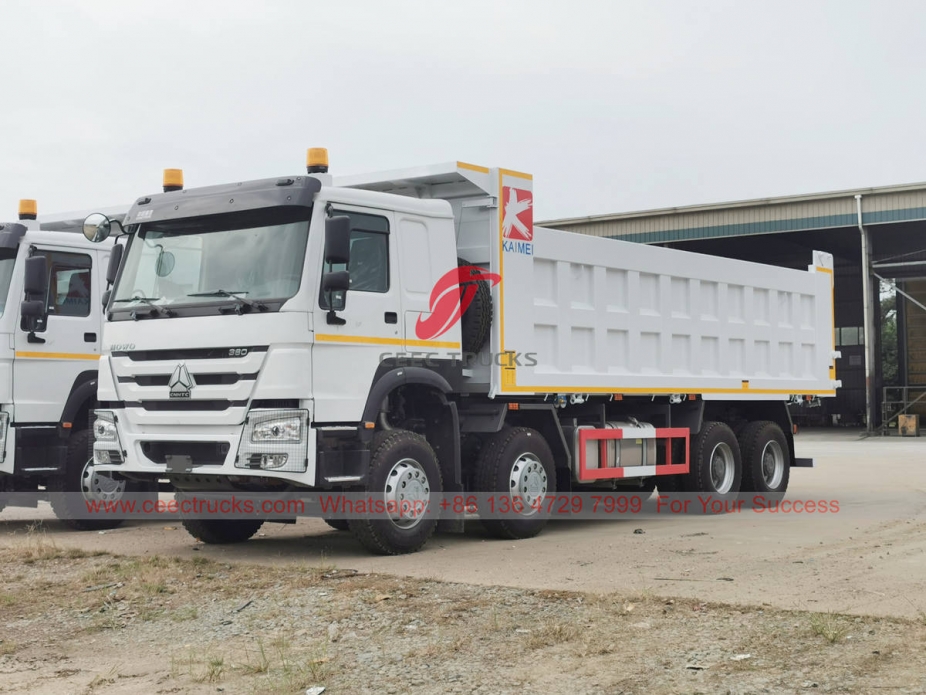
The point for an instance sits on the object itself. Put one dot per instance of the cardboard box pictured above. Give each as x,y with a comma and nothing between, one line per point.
908,425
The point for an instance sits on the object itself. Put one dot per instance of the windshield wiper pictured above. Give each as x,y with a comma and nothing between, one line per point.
242,301
155,309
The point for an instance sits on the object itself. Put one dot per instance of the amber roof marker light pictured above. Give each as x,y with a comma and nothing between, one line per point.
173,180
316,160
28,209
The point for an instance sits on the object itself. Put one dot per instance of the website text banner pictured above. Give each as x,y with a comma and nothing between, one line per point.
360,505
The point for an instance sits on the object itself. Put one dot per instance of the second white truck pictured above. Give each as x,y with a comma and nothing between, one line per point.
51,285
413,333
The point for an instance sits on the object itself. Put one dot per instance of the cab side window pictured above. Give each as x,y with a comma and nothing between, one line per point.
369,254
69,284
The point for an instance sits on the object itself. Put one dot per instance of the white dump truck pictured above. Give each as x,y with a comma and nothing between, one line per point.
411,333
51,284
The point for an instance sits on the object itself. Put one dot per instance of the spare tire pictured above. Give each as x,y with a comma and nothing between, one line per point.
476,322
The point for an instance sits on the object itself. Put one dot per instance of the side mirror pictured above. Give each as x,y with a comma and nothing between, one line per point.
337,240
115,258
32,308
106,295
335,287
36,277
97,227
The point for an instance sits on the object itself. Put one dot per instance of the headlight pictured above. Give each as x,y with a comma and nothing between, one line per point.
104,427
275,440
287,429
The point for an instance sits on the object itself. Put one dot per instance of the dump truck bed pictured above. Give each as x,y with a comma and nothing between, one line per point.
576,314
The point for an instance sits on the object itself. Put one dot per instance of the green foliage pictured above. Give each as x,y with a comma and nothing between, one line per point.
889,366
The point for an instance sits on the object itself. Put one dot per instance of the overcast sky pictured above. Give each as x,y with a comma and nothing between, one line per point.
613,106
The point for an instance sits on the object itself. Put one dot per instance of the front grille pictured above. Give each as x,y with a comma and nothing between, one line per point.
190,354
201,379
178,405
275,403
200,453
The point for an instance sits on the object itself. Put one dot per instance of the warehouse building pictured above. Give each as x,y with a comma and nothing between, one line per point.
880,230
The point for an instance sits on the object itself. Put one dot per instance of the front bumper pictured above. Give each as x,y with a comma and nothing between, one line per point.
272,444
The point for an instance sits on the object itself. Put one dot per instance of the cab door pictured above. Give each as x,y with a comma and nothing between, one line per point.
65,343
345,356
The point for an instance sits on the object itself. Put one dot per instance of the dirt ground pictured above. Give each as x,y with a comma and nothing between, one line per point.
737,603
74,622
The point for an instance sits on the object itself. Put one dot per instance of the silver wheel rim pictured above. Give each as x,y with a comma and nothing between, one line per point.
528,483
722,468
407,493
99,486
773,464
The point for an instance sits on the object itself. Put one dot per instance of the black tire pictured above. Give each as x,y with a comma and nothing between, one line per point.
399,458
64,491
222,531
337,524
512,453
476,322
766,457
716,444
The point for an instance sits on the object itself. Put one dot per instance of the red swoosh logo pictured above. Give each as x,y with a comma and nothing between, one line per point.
450,298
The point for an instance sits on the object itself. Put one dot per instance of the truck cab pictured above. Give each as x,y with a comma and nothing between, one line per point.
52,281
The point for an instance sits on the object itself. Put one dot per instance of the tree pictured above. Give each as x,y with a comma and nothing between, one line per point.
889,367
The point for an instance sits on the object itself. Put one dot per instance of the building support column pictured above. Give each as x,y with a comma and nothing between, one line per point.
868,329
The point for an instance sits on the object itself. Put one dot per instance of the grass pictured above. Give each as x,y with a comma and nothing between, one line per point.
550,635
102,679
277,667
36,546
828,626
184,613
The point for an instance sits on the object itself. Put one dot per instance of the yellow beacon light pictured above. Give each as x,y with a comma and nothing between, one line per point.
173,180
316,160
28,209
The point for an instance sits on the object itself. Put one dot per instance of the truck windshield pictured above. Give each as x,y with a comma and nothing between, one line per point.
251,257
7,261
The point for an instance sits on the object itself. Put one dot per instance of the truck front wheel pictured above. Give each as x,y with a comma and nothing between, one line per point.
516,464
404,472
766,464
81,485
222,531
716,465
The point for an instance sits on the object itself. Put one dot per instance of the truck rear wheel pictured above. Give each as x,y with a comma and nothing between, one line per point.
716,464
80,484
766,464
404,471
517,465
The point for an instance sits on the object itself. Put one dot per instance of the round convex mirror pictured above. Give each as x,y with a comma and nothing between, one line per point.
97,227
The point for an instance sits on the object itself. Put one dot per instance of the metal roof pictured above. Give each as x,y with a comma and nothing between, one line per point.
880,205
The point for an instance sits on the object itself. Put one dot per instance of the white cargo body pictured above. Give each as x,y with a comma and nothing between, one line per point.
413,333
602,316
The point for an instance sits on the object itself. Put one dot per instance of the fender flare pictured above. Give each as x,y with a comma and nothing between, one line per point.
395,378
82,391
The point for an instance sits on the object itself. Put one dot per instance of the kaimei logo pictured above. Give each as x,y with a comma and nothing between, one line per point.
518,218
450,298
